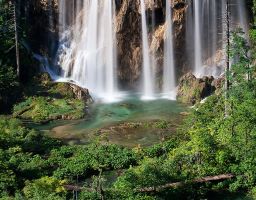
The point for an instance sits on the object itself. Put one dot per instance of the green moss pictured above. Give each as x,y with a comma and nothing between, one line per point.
197,94
191,93
46,100
61,90
161,124
43,108
42,85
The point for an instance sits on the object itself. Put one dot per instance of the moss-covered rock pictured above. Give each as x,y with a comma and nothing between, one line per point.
41,109
192,90
47,100
42,85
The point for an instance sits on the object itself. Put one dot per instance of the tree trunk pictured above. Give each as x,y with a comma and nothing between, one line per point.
16,39
179,184
227,70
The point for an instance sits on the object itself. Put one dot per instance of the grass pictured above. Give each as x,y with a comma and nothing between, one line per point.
45,108
45,100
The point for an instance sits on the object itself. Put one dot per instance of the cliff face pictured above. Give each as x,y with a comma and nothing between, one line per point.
41,19
128,29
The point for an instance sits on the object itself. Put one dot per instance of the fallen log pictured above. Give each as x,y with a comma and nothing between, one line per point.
163,187
181,183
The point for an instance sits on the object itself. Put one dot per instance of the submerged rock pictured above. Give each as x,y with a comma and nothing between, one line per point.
192,90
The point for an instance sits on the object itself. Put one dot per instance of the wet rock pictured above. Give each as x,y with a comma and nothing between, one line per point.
43,85
192,90
219,84
81,93
128,31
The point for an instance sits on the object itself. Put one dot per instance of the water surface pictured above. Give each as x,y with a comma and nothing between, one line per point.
130,122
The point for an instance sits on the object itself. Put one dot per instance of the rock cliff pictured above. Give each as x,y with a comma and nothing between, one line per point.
128,30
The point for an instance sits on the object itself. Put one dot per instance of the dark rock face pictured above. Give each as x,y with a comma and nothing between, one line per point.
192,90
128,35
41,21
128,30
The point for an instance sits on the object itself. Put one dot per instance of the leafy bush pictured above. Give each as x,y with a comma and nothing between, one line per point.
83,160
8,87
38,164
45,188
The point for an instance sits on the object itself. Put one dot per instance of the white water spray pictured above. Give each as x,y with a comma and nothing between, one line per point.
169,63
197,35
209,33
87,55
148,76
87,50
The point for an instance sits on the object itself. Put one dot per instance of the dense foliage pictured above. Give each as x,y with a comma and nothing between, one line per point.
8,78
11,78
39,167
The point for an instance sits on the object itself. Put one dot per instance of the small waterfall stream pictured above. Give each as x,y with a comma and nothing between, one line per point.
169,82
243,18
148,76
209,33
197,39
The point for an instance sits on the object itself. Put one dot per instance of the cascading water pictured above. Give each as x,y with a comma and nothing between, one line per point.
197,39
87,50
87,53
214,31
209,33
148,76
242,16
169,62
152,54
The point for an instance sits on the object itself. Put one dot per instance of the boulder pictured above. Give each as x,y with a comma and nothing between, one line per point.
192,90
219,84
80,93
42,85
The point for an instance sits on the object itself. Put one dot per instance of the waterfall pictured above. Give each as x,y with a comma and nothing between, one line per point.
214,32
169,62
189,34
242,16
153,54
208,33
148,76
197,39
87,53
88,47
